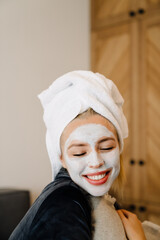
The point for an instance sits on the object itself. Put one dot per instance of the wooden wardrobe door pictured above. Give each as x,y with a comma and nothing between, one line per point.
148,5
126,49
105,8
111,56
150,120
106,11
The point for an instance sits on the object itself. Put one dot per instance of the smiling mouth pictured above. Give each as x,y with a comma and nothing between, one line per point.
98,178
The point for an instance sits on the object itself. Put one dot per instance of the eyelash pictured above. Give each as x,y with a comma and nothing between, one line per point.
106,148
81,154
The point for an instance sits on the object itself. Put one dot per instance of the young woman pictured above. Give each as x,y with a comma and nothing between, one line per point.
85,131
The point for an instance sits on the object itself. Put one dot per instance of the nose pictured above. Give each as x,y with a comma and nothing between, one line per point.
95,161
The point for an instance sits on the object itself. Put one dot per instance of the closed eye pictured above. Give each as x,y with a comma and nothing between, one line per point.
80,154
109,148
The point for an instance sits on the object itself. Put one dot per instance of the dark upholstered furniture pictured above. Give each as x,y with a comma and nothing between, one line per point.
13,206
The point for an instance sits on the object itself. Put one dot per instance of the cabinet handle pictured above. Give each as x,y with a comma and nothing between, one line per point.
141,162
132,207
142,208
141,11
132,13
132,162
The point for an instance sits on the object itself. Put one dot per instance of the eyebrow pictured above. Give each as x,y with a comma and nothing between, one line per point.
106,139
83,144
77,145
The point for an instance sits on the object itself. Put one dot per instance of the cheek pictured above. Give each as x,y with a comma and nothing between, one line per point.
112,158
75,165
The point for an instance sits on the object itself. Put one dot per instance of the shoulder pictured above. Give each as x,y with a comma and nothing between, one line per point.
63,198
63,213
61,205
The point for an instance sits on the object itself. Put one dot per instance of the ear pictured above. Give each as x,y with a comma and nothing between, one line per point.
63,161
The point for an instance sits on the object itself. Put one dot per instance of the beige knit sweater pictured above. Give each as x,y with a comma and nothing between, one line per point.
106,221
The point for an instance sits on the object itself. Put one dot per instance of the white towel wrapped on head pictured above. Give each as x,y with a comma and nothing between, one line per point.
72,94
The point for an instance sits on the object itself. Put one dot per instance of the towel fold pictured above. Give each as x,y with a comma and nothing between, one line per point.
72,94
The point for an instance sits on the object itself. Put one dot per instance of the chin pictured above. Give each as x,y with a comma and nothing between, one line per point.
98,192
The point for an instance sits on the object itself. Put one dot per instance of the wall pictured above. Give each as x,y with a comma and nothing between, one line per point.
40,40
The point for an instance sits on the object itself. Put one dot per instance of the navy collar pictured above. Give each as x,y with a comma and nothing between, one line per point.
62,173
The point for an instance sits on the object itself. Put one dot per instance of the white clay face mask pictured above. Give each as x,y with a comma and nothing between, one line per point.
91,155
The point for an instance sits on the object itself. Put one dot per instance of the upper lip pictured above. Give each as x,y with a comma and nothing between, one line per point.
97,173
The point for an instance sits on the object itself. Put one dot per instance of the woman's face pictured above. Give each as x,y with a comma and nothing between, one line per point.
90,153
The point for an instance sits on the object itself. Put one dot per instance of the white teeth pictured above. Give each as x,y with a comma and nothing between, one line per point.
97,177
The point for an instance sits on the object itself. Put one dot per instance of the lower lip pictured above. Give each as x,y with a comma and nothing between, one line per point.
98,182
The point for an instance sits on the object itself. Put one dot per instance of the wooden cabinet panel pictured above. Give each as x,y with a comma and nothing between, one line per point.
112,57
151,115
148,4
153,213
153,112
106,11
105,8
126,49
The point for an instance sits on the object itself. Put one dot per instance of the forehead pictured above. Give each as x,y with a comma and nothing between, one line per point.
100,124
90,133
